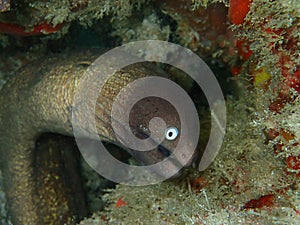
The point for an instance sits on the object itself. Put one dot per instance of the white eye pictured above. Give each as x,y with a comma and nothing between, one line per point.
171,133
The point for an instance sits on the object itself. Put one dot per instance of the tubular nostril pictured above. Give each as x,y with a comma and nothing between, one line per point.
164,151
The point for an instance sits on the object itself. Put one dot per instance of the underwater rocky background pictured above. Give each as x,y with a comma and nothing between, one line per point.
253,48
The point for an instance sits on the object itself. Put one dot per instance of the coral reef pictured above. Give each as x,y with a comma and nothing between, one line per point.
32,17
246,184
201,29
255,177
271,33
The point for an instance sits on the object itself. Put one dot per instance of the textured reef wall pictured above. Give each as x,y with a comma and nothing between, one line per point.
255,177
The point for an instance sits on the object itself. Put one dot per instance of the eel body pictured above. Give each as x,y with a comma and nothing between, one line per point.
39,99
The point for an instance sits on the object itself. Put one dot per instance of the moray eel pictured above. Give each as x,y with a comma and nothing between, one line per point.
38,99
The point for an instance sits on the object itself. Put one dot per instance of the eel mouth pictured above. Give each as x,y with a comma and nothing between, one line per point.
163,161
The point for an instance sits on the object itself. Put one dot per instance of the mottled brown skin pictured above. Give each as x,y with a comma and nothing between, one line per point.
37,100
